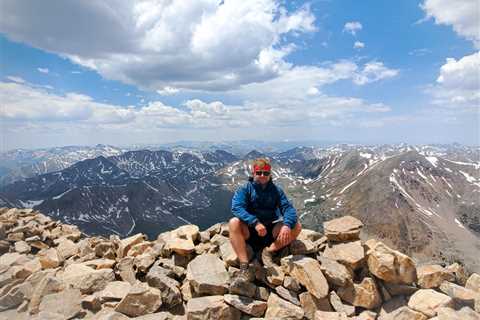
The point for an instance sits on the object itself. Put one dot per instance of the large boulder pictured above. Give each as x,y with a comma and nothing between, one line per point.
463,314
246,305
87,279
141,299
350,254
310,304
170,288
431,276
428,301
364,294
390,265
207,275
460,295
277,308
342,229
337,274
307,271
66,303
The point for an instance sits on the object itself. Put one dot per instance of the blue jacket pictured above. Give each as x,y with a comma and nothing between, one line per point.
251,203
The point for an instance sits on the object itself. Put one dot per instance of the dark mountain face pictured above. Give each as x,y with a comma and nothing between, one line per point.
139,191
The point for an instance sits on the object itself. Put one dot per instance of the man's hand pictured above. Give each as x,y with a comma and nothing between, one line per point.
284,235
261,230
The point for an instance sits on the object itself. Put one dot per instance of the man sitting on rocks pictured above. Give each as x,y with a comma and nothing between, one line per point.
263,216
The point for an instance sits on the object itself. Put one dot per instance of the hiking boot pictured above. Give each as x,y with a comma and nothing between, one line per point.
242,277
267,258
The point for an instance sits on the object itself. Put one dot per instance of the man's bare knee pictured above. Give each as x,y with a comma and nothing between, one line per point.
237,226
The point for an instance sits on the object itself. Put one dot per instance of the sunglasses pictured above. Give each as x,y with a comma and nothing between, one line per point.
264,173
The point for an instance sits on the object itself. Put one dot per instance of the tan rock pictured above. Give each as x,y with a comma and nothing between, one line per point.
87,279
100,263
343,229
13,259
288,295
115,290
311,235
210,307
431,276
310,304
274,275
350,254
47,285
67,248
50,258
15,296
302,247
463,314
404,313
473,282
141,299
189,231
390,265
460,295
459,273
246,305
125,268
307,271
109,314
325,315
127,243
364,294
139,248
277,308
22,247
336,273
207,275
338,306
291,284
366,315
66,303
181,246
428,301
145,260
169,288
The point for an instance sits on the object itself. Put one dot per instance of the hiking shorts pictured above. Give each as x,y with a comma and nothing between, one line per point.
257,242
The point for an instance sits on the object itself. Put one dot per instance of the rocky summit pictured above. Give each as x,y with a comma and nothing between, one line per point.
51,270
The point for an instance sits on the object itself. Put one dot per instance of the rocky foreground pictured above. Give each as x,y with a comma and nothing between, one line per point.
50,270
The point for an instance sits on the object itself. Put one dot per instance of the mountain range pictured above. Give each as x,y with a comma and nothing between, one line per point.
423,200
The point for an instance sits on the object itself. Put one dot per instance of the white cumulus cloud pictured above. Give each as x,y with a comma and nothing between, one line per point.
43,70
153,44
352,27
458,84
358,45
462,15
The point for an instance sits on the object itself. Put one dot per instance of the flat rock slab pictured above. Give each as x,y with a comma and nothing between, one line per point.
247,305
343,229
207,275
428,301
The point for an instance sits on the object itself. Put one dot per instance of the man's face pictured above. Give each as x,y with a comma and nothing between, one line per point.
262,176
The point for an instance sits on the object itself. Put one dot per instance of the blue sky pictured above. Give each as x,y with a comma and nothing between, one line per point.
77,72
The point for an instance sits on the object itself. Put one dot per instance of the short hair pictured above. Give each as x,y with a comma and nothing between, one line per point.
262,164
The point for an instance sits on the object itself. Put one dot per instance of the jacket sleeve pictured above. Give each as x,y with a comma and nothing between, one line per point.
239,206
288,211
